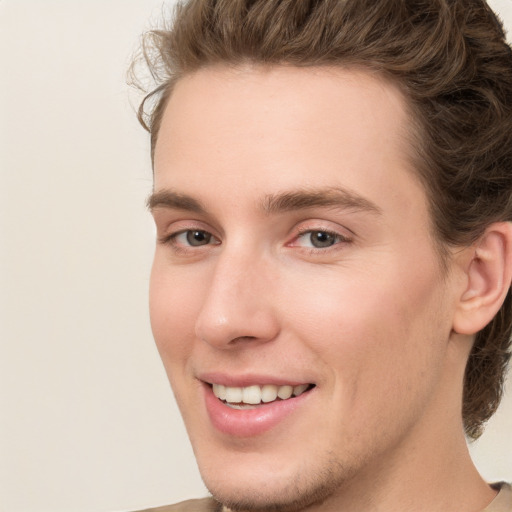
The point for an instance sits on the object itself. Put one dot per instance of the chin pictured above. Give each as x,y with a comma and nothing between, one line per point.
249,488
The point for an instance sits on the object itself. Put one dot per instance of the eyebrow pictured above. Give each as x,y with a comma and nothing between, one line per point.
302,199
174,200
333,197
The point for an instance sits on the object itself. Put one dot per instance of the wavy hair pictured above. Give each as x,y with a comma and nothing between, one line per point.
454,67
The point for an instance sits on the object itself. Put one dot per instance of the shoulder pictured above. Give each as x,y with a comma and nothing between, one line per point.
202,505
503,500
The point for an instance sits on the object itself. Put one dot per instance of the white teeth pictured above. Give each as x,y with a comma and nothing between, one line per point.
298,390
234,395
285,392
268,393
253,395
219,391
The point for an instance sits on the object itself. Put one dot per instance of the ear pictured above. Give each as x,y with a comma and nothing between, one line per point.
488,275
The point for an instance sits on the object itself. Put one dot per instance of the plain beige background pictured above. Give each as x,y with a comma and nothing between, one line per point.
87,420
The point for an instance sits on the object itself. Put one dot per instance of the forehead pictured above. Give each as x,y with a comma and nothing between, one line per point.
248,100
259,131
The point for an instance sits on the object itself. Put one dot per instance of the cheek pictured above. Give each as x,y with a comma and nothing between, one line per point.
363,325
173,303
379,350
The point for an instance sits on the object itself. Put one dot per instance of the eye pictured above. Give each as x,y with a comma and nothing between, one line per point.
319,239
193,238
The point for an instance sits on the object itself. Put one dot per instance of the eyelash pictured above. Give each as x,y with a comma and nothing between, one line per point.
184,249
171,240
338,239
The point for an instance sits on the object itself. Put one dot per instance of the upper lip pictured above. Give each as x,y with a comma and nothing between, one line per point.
246,380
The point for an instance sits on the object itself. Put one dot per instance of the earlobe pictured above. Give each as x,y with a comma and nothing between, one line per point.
489,274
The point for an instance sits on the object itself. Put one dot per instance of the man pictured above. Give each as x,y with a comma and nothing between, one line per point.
330,290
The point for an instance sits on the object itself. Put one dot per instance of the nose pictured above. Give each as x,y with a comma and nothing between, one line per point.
238,304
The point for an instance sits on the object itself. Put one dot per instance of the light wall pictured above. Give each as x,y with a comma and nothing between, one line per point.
87,420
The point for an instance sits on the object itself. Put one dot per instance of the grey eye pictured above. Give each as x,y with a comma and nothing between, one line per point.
196,238
321,239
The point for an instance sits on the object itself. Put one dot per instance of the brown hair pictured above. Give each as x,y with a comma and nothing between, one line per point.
450,59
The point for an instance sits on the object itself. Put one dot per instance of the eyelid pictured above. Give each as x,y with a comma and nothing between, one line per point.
171,224
336,236
171,230
341,234
330,231
175,234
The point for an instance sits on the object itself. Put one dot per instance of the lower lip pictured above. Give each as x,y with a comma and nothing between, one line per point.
249,422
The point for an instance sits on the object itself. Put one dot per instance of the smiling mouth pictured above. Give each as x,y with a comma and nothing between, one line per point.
253,396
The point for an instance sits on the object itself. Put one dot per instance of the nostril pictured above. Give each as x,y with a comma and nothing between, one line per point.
243,338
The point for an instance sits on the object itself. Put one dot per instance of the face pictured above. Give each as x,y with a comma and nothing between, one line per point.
296,299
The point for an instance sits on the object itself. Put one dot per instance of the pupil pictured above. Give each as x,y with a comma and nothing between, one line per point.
198,237
321,239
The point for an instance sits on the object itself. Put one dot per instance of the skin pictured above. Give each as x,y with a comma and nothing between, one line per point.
369,319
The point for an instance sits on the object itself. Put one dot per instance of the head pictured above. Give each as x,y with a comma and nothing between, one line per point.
447,75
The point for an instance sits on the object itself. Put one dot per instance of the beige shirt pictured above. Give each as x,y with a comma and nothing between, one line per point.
502,503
